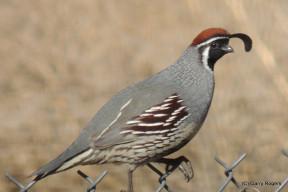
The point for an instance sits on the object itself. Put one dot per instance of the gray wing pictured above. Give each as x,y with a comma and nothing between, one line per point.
132,104
103,130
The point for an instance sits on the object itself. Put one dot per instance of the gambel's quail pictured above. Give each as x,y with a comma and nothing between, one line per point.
155,117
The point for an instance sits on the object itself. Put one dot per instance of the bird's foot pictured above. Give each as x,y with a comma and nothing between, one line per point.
182,163
186,168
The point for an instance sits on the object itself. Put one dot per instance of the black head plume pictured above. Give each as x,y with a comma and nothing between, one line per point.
245,38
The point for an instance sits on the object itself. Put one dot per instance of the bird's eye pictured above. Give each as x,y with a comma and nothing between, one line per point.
213,45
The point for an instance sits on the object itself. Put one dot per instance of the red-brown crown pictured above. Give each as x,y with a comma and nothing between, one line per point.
207,34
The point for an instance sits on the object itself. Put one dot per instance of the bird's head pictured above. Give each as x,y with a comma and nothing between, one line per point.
213,43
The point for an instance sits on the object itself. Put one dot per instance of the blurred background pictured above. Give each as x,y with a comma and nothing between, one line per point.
62,60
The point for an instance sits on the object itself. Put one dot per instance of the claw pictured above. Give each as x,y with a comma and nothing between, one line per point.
181,163
186,168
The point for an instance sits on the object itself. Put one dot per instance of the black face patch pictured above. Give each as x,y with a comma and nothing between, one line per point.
216,51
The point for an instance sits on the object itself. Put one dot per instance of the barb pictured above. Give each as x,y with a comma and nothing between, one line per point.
229,172
93,183
162,179
285,182
21,187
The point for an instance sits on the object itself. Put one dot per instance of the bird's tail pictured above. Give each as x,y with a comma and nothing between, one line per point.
66,160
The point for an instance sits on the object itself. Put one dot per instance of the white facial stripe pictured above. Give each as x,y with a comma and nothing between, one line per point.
210,40
205,56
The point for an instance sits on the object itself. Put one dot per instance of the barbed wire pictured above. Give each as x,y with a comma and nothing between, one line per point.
22,188
229,172
230,176
91,188
93,183
285,182
162,178
163,185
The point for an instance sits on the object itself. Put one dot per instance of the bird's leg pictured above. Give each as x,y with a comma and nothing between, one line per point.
130,180
181,162
131,169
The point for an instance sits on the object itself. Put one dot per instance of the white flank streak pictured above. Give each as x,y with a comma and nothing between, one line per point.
164,131
145,115
173,96
137,146
141,150
170,134
156,108
178,123
184,117
132,122
160,115
125,131
114,121
166,105
150,110
153,109
175,113
171,119
180,101
166,124
165,139
150,132
102,161
174,129
137,132
75,160
178,110
156,132
210,40
181,120
150,124
183,107
205,57
168,100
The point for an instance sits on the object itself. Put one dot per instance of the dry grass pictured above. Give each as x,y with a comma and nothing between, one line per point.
61,60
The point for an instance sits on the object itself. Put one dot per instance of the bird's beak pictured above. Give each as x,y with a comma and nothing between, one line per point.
227,49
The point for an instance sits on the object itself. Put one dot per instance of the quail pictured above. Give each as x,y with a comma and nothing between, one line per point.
153,118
